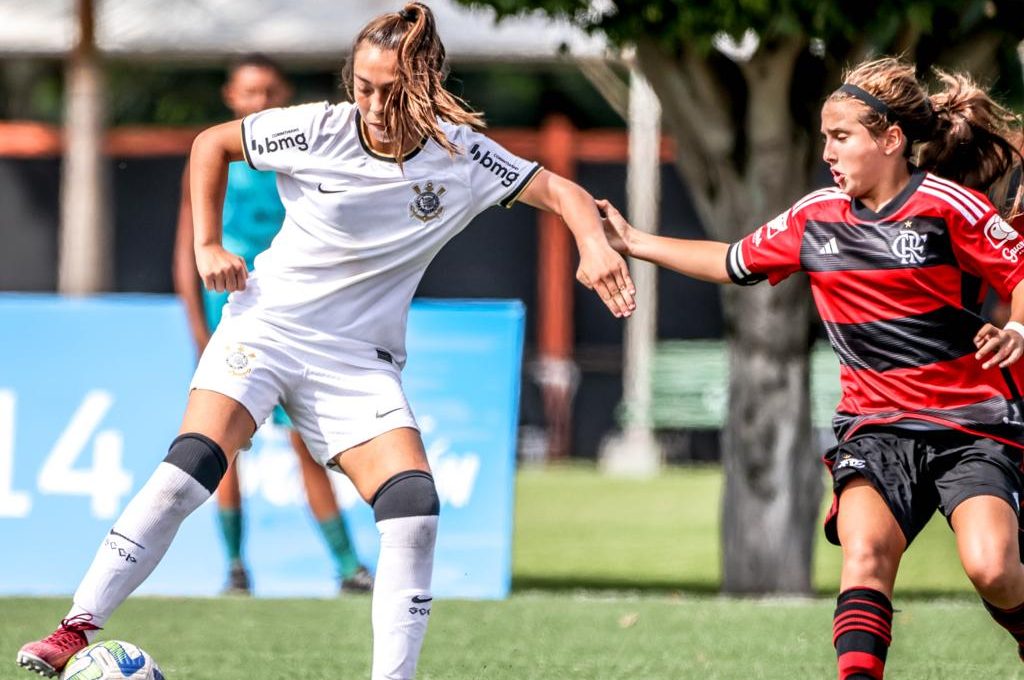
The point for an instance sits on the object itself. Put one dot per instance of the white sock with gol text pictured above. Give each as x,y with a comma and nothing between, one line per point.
401,594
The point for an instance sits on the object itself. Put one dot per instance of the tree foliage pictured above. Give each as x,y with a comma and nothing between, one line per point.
745,124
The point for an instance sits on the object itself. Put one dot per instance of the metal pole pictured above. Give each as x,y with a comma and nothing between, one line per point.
636,452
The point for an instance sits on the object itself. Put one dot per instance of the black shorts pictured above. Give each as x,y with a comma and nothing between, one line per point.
917,472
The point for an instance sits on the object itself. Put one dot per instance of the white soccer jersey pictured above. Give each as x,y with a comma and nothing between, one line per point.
359,232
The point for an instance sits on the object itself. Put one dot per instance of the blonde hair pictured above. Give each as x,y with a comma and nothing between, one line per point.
418,97
961,133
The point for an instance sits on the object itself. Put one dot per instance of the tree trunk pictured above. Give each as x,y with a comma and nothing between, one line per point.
773,476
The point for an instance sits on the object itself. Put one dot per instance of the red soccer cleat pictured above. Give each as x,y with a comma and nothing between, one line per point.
49,655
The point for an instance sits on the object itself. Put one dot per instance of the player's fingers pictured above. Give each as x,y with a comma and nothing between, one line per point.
607,208
627,280
608,297
238,272
625,293
983,333
1012,357
996,347
622,307
997,357
987,346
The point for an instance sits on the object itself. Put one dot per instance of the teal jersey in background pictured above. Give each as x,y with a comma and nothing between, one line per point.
252,217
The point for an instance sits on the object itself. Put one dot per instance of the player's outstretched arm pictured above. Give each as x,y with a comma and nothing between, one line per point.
704,260
212,151
601,268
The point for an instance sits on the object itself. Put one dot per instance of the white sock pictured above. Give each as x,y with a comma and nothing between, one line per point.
401,594
138,541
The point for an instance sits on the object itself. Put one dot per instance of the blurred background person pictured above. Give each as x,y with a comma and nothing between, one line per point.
253,215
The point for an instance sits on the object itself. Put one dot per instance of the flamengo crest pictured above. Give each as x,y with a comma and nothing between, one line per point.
427,204
909,245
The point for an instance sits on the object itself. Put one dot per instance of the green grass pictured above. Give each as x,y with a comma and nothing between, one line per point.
575,528
614,579
533,635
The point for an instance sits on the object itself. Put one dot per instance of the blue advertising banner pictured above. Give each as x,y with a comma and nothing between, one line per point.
91,395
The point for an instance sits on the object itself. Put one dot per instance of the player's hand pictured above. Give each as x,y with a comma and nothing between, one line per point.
1005,346
616,229
220,270
603,270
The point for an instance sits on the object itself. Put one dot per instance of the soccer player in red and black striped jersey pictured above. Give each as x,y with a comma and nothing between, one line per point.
900,255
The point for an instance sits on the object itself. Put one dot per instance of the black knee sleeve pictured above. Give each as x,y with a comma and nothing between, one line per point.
407,494
200,457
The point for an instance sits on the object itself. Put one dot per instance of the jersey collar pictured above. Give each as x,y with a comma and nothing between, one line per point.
863,212
387,158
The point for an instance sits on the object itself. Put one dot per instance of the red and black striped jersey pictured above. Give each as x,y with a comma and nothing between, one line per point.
899,292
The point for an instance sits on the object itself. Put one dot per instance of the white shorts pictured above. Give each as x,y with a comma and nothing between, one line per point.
336,398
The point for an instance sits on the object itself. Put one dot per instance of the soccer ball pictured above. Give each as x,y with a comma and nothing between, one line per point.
111,660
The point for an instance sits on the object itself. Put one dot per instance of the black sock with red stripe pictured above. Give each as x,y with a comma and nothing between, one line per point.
1012,620
861,633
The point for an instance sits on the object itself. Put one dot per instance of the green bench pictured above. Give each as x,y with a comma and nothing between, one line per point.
690,384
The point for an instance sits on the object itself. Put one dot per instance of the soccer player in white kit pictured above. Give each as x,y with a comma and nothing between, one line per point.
372,191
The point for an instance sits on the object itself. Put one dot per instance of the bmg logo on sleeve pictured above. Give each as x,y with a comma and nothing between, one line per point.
279,141
498,166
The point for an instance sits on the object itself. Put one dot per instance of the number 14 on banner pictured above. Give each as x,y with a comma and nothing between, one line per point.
106,482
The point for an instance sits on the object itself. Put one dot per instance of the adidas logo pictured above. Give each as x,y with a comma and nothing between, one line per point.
830,247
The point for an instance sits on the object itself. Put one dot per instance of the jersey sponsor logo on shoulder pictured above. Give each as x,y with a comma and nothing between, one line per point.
280,141
499,167
427,204
908,245
999,234
777,226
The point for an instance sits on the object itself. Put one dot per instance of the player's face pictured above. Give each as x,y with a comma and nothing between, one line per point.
254,88
855,156
374,72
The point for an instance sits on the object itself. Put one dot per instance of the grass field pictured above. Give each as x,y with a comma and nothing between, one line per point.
613,579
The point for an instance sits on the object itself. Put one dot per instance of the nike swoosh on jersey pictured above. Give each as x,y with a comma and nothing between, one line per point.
384,413
322,190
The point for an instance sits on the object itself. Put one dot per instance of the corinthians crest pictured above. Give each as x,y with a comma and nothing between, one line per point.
427,204
239,360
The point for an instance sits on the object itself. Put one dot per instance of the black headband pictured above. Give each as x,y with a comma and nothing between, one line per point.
878,106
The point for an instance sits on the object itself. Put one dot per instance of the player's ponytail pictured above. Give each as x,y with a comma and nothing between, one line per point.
418,97
975,141
960,133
